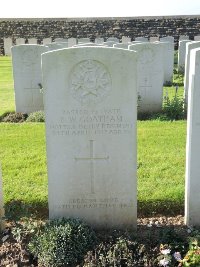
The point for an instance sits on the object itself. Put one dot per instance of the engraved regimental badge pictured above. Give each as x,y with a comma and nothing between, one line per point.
90,82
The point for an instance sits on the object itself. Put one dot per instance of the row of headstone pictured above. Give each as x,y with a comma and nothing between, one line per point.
90,96
8,43
155,58
89,119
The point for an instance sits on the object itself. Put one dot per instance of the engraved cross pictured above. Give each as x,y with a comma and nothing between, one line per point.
92,159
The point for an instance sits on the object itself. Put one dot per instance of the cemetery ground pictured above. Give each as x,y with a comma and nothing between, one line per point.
161,171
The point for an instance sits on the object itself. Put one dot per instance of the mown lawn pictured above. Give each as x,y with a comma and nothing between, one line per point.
161,159
6,86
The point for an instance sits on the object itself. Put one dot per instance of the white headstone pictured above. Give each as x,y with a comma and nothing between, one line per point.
32,41
126,39
83,40
192,199
150,76
183,37
109,43
122,45
189,47
99,40
168,60
20,41
197,38
112,39
28,77
181,54
72,42
55,46
61,40
1,202
47,41
141,39
154,39
90,107
7,46
167,39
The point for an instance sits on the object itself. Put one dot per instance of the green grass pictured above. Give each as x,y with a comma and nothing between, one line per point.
6,86
161,159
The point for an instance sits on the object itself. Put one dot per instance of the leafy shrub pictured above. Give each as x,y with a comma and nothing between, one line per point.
13,117
37,116
173,109
62,242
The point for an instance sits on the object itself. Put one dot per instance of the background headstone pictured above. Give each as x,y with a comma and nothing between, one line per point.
153,39
61,40
27,76
7,46
20,41
83,40
168,60
72,42
150,76
167,39
112,39
197,38
126,39
192,199
47,41
181,54
55,46
183,37
99,40
32,41
141,39
189,47
91,110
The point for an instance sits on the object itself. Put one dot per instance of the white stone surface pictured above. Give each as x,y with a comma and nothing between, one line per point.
192,199
167,39
150,76
183,37
47,41
83,40
20,41
99,40
153,39
126,39
168,60
90,98
27,76
181,54
7,46
197,38
72,42
112,39
141,39
122,45
189,47
1,202
55,46
109,43
61,40
87,44
32,41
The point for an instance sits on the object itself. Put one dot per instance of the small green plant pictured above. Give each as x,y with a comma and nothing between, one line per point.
13,117
62,242
173,109
37,116
192,258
